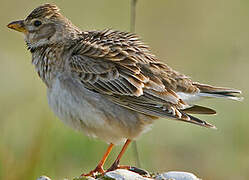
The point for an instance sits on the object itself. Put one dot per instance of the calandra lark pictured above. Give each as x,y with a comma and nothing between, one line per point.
107,83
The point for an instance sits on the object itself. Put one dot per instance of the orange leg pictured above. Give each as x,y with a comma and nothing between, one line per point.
99,167
115,165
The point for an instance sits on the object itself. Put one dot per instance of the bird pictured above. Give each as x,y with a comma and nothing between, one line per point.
107,83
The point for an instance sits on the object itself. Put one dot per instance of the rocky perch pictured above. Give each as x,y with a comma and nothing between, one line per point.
122,174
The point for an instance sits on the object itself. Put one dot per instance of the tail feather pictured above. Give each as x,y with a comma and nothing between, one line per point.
218,92
217,95
196,109
199,122
194,120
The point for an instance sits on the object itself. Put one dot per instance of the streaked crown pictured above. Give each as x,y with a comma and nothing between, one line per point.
45,11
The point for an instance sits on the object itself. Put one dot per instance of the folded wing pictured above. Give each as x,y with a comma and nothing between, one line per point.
119,66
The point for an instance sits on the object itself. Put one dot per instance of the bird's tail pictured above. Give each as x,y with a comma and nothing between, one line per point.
218,92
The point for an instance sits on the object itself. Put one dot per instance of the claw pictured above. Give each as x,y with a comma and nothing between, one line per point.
98,169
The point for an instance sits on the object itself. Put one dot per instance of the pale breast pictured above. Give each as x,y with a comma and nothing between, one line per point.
93,114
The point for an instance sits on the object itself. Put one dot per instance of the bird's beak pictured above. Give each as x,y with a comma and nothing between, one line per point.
18,26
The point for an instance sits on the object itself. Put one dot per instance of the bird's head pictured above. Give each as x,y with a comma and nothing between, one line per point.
45,25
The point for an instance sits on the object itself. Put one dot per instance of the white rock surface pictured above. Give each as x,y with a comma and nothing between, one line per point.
122,174
43,178
176,175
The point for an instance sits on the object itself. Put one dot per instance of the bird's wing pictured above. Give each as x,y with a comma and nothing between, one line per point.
119,66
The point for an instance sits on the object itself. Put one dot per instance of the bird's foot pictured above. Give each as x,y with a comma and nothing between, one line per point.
97,170
115,166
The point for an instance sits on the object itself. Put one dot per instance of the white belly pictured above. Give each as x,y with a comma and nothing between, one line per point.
86,111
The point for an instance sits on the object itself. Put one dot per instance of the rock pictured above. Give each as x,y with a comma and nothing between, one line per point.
176,175
84,178
43,178
123,174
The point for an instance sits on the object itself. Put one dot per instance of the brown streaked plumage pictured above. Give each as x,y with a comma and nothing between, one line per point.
107,83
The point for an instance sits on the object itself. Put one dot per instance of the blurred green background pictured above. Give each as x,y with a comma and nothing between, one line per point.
207,40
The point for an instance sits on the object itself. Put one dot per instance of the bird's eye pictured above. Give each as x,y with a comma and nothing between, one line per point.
37,23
